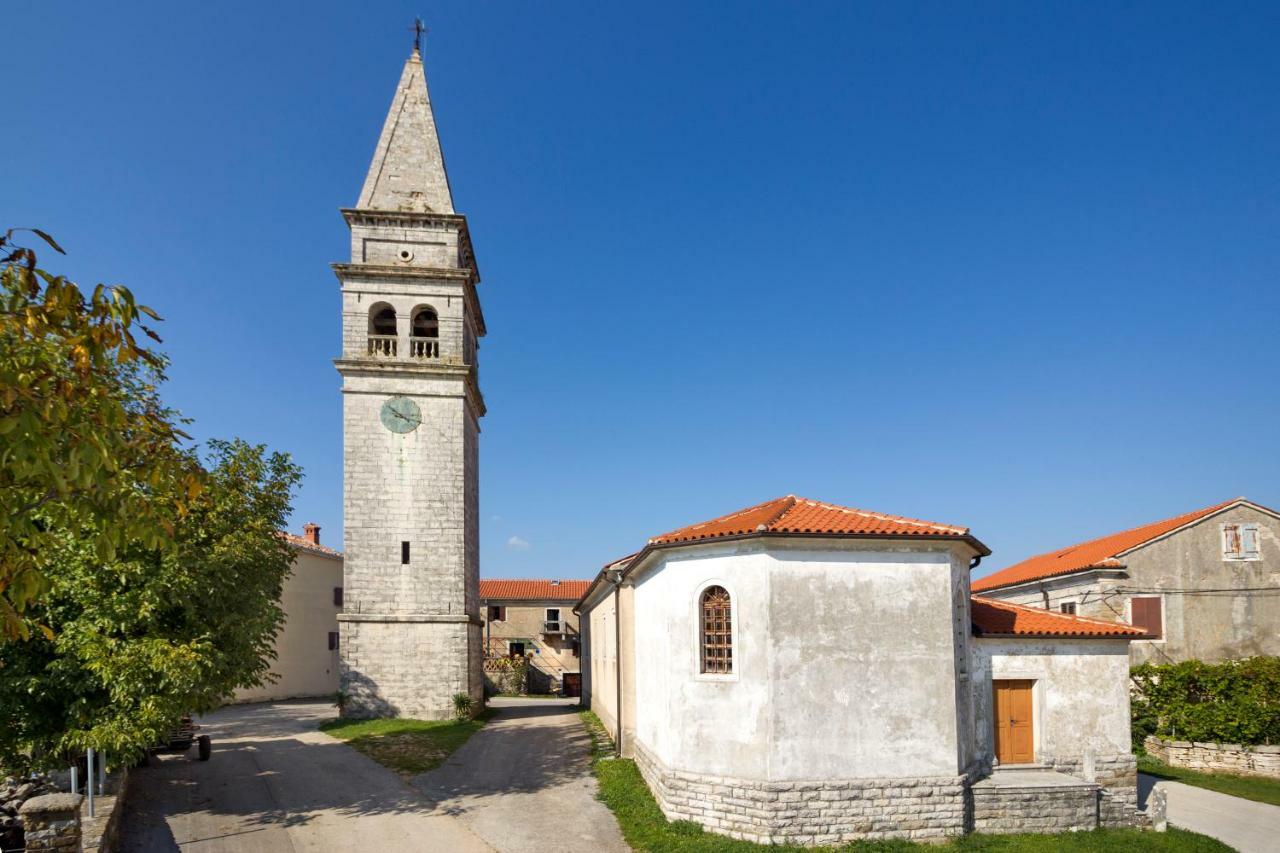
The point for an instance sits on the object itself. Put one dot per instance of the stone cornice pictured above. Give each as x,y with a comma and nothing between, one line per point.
402,218
385,367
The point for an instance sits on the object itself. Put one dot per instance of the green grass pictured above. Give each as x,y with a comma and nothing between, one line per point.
408,747
645,827
1247,787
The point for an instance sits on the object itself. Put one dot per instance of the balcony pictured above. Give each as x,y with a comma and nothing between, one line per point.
382,346
424,348
557,626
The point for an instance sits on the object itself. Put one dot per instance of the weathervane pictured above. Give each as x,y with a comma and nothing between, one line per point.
419,30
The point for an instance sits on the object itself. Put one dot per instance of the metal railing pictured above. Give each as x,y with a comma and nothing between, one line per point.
382,346
424,347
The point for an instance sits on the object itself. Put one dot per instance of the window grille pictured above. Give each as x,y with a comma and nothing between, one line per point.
717,630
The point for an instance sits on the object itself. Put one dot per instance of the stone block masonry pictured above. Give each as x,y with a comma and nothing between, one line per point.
810,812
1117,780
1217,757
407,667
52,823
1000,810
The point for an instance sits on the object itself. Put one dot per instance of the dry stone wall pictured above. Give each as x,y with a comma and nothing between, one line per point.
1217,757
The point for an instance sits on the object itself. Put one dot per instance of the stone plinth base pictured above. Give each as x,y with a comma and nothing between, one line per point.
809,812
408,666
1033,801
1117,777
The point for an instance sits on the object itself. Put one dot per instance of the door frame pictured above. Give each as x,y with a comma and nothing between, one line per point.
1034,690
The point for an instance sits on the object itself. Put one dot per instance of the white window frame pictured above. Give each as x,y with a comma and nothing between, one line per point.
546,614
1243,533
1164,617
696,657
1075,608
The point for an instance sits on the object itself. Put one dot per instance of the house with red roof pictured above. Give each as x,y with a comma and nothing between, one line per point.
305,661
1204,585
799,653
533,619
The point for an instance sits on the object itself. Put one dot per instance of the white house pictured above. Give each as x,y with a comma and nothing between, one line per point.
809,673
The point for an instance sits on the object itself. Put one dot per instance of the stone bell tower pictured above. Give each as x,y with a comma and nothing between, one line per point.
411,409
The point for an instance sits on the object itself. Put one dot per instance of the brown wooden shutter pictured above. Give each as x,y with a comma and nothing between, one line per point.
1147,613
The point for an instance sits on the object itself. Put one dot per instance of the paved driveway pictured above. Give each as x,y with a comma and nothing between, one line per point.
523,783
275,783
1243,824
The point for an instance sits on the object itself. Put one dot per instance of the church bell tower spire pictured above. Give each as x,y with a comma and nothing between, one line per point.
411,322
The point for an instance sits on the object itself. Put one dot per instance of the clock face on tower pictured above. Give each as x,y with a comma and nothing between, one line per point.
400,414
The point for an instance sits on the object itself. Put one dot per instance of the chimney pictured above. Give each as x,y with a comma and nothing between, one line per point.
311,533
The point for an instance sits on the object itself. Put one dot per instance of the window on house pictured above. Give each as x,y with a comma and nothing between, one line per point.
515,649
333,641
404,553
553,614
1147,613
1068,607
717,630
497,613
337,596
1240,542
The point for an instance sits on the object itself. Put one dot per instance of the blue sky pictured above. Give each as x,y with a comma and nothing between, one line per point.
1012,266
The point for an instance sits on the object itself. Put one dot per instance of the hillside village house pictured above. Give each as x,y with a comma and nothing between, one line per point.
1204,585
535,618
306,661
804,672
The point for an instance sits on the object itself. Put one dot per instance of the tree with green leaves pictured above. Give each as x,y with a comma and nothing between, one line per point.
148,634
85,444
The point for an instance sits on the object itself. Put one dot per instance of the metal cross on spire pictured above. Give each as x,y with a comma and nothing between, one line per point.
419,30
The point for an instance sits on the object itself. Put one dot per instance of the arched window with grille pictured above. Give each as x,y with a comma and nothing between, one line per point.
717,631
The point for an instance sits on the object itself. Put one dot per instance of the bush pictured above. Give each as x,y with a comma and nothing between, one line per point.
1230,702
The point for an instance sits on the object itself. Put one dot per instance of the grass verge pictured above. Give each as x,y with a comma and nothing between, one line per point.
408,747
1247,787
645,827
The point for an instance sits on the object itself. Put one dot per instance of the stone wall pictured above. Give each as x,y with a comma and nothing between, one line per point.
52,823
1116,776
1220,757
1006,809
409,667
809,812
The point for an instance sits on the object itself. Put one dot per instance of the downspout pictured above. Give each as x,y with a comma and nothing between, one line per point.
615,577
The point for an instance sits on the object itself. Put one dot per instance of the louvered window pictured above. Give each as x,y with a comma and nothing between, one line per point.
717,630
1147,613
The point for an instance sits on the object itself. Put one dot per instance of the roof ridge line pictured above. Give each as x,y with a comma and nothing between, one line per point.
788,503
1075,545
885,516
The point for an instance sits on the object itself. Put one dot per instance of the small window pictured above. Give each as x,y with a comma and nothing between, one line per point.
717,631
337,596
404,553
1068,607
497,613
333,641
1240,542
515,649
553,614
1147,613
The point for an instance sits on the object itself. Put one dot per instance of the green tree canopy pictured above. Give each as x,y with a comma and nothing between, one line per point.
85,443
152,633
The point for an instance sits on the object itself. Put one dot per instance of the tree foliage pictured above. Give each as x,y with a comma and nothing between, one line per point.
1228,702
85,443
153,632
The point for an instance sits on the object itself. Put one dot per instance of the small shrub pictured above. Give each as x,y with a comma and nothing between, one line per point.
463,706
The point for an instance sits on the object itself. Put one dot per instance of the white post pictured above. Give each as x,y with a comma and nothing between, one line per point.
88,782
75,779
102,775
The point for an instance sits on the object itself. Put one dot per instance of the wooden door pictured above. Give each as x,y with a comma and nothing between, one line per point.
1015,742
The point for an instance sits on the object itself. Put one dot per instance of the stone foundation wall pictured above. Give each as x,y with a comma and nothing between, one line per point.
407,668
1221,757
1002,810
810,812
1117,777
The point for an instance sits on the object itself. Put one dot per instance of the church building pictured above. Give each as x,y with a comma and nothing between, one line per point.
411,321
801,672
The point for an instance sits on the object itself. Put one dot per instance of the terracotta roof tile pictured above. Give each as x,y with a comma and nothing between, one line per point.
796,515
307,545
1097,553
532,590
1001,618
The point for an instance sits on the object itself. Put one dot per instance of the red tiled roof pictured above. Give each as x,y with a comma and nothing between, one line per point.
1001,618
796,515
307,545
533,590
1098,553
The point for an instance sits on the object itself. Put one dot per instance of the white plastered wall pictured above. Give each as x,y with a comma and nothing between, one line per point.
1080,700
